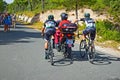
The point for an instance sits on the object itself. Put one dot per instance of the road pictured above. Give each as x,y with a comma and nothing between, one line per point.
22,58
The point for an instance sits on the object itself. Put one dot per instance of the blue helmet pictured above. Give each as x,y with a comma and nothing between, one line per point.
64,16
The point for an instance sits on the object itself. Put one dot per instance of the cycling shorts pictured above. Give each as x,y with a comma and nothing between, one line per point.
91,31
48,33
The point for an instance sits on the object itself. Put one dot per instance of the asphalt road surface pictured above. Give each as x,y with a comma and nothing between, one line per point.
22,58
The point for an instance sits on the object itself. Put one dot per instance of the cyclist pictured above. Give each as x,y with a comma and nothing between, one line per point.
90,27
48,29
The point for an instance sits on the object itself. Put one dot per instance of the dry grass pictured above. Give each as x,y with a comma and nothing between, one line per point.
109,44
37,25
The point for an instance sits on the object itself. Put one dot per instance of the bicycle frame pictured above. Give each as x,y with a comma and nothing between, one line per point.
90,49
87,47
50,51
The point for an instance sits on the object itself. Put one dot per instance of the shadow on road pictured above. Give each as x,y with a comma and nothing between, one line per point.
104,59
100,59
18,35
62,62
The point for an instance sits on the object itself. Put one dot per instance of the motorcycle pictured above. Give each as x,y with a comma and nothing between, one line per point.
67,44
67,39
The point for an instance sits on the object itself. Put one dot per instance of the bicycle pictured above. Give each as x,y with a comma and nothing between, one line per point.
49,51
87,47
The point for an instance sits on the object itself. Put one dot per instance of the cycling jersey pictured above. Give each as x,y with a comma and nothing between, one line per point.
90,23
50,24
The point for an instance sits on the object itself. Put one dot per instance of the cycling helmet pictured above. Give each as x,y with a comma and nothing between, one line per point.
64,16
50,17
87,15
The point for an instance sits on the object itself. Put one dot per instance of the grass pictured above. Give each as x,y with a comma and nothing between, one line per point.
37,25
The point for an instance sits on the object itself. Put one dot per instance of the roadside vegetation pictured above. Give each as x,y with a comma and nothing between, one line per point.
106,30
3,5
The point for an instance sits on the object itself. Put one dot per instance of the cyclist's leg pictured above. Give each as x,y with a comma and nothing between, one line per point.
47,36
46,45
92,35
53,38
52,35
85,32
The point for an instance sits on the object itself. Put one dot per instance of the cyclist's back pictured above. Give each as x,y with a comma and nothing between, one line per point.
90,23
49,28
90,26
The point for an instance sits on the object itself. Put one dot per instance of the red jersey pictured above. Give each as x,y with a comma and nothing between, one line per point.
63,22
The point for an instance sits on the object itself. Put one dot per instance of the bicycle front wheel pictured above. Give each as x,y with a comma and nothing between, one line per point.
82,48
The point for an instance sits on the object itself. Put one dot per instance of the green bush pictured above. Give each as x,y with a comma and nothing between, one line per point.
104,29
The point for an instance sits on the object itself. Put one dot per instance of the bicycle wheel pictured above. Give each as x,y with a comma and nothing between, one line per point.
51,54
82,48
69,53
91,53
51,58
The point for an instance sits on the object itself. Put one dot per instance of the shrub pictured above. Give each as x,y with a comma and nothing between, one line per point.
104,29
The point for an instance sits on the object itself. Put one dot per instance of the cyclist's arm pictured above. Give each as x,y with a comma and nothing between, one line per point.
77,20
43,29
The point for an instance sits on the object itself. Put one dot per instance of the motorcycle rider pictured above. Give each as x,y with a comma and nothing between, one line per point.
64,22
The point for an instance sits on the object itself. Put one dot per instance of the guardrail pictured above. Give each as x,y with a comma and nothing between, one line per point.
27,19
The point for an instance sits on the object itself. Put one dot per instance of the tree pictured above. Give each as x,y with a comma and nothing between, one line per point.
2,5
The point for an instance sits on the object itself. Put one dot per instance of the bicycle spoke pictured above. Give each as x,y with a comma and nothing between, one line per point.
51,54
82,49
91,53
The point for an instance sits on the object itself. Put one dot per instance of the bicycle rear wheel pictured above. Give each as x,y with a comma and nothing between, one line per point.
51,58
82,48
91,53
51,54
69,52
